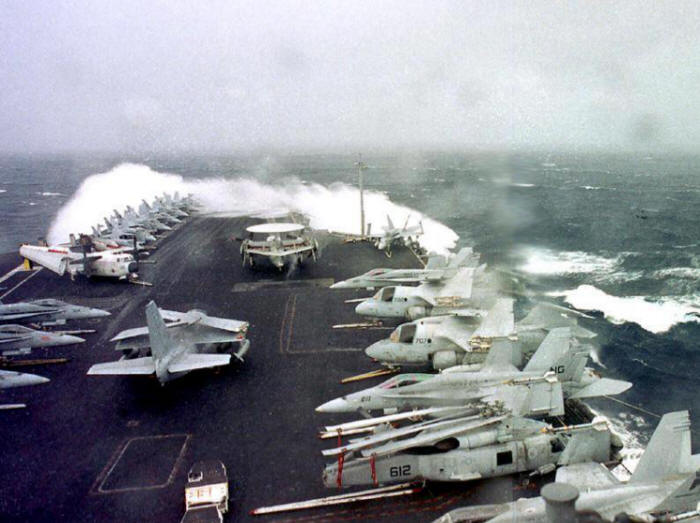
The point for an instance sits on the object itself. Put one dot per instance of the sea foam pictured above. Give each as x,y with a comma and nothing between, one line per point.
334,207
655,316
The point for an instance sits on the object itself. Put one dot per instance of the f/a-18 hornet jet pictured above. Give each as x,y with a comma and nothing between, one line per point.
18,339
558,365
664,487
191,341
10,379
46,312
454,447
469,291
436,270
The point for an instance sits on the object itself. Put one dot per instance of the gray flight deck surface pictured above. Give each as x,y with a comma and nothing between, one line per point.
111,448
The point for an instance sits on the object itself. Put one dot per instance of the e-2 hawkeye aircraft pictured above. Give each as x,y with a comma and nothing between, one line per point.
47,311
170,358
455,447
557,362
664,487
437,269
279,243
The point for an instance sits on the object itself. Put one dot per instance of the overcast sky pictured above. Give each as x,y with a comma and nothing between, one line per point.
223,76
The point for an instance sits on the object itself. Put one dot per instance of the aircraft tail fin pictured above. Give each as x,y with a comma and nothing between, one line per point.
158,336
554,347
668,451
389,222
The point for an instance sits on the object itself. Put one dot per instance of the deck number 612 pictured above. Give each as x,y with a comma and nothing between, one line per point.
402,470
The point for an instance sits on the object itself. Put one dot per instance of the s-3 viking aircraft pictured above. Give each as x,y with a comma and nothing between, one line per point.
172,354
446,341
437,269
469,291
454,447
279,243
46,312
664,487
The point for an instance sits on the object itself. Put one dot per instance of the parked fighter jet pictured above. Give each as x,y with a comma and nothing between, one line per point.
664,487
10,379
194,327
46,312
279,243
437,269
171,358
459,448
434,298
446,341
83,259
557,361
392,235
17,339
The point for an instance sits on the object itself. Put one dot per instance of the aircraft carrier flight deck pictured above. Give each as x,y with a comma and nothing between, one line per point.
111,448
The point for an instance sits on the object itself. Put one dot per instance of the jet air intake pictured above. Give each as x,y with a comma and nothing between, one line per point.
444,359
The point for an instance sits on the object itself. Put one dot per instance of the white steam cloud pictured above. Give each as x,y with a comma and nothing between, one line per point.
335,208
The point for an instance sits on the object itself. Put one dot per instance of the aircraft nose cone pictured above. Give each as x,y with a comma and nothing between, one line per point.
364,308
133,267
336,405
339,285
375,351
32,379
66,339
99,313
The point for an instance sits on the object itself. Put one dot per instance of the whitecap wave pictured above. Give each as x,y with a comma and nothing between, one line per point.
335,207
545,261
3,190
691,273
522,184
591,187
655,316
48,193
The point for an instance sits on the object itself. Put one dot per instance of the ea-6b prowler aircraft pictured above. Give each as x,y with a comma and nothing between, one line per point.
437,269
664,487
558,361
454,447
279,243
18,339
46,312
171,357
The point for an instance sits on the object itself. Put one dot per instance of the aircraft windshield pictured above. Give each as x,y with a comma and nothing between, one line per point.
385,294
402,381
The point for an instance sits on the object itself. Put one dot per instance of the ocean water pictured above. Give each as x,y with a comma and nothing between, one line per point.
617,236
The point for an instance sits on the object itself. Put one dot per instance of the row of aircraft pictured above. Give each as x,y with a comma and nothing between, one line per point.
113,251
487,411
